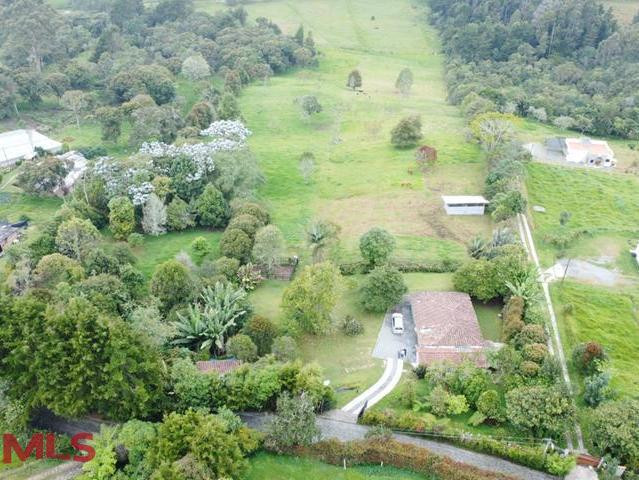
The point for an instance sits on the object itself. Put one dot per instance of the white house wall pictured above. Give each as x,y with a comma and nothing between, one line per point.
465,210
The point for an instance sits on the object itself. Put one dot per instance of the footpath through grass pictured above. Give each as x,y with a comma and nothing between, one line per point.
272,467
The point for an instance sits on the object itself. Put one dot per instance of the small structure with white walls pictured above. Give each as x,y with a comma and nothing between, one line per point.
465,204
22,145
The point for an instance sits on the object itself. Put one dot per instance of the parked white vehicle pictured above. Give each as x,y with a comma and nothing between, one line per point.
397,323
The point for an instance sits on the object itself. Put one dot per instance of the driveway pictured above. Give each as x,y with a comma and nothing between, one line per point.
389,344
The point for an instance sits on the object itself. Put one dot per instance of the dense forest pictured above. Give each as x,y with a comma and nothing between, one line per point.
565,62
107,53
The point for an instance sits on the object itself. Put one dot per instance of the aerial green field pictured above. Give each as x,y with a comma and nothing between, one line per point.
606,316
273,467
360,180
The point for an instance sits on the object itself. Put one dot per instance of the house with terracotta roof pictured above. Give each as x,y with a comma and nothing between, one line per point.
221,367
447,328
584,151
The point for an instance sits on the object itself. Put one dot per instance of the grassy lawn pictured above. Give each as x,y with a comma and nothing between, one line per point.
38,210
347,361
607,316
598,201
274,467
156,250
360,180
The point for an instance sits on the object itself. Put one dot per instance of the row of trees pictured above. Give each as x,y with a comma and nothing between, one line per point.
566,63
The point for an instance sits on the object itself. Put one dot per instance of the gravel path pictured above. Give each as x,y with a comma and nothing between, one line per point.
558,350
332,426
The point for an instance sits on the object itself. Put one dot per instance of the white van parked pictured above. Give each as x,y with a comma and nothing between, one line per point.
397,323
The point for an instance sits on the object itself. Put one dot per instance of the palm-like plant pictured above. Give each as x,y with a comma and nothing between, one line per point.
207,324
477,247
525,285
319,235
191,329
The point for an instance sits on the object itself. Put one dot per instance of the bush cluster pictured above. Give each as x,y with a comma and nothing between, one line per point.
529,456
375,451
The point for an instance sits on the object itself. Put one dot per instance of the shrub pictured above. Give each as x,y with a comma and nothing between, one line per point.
201,247
262,331
535,352
407,132
285,348
351,326
420,371
512,315
382,289
596,389
227,267
236,244
249,276
135,239
242,347
588,357
529,369
249,224
253,209
615,430
531,334
376,246
489,404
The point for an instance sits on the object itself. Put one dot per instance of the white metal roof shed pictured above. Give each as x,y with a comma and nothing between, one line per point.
465,204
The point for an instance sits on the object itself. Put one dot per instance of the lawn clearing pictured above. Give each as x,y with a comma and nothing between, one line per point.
606,316
360,180
156,250
274,467
15,206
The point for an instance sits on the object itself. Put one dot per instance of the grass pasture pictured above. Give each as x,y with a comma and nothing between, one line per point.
360,180
606,316
276,467
599,202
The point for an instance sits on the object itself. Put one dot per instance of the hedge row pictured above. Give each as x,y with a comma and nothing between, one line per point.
529,456
438,266
375,451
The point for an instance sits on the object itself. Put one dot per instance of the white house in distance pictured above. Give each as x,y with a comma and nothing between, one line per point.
584,151
21,145
465,204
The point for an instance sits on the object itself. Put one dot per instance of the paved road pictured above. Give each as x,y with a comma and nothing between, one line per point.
389,380
333,426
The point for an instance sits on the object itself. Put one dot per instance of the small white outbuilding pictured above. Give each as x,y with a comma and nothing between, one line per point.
465,204
21,145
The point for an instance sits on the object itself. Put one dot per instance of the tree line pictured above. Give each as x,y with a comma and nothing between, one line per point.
567,63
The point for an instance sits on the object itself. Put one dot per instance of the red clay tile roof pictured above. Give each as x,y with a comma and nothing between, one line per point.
447,328
218,366
594,147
